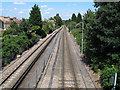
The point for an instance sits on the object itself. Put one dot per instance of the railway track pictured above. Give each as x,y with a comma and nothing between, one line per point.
69,78
55,63
74,73
83,70
65,69
63,64
30,64
53,67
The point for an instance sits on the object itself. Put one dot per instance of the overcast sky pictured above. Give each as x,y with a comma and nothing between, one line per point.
21,9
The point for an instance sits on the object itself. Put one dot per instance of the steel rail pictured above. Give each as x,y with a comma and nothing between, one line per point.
63,63
75,79
31,65
29,57
24,61
85,69
53,68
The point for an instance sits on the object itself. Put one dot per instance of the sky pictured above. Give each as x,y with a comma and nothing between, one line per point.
21,9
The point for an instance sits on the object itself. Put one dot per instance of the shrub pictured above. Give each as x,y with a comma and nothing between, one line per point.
106,75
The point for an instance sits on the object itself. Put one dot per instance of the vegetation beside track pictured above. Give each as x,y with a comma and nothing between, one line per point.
101,40
16,39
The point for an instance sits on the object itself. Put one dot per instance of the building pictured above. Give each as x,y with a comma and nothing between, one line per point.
6,21
1,26
4,18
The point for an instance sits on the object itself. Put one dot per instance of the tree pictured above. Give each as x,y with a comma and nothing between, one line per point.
35,16
109,31
102,33
92,42
79,18
24,26
74,17
13,29
14,25
58,20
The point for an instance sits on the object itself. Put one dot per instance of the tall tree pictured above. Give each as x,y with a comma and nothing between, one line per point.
58,19
79,18
35,16
24,25
108,16
74,17
103,34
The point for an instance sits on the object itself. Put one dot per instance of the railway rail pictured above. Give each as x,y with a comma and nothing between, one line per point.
82,68
55,62
74,73
17,82
53,67
63,64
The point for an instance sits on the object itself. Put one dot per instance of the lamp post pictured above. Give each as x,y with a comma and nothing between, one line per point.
82,38
70,26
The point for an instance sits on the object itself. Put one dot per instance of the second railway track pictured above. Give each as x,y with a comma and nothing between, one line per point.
8,78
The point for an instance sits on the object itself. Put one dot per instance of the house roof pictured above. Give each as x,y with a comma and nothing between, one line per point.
8,22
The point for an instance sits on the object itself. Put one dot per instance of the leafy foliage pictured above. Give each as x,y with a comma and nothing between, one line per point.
24,25
35,16
47,27
58,20
101,39
16,38
106,75
79,18
73,17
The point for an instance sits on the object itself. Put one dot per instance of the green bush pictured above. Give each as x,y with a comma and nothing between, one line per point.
106,75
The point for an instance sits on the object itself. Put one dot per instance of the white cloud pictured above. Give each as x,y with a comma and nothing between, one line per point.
18,3
47,12
29,9
82,13
43,6
49,9
21,12
15,8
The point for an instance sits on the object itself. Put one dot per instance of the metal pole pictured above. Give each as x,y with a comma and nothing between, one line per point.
70,26
82,38
115,81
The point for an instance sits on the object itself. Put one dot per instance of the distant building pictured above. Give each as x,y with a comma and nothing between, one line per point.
6,21
4,18
1,26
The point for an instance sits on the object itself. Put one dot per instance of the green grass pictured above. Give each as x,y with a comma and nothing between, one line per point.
76,32
0,35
